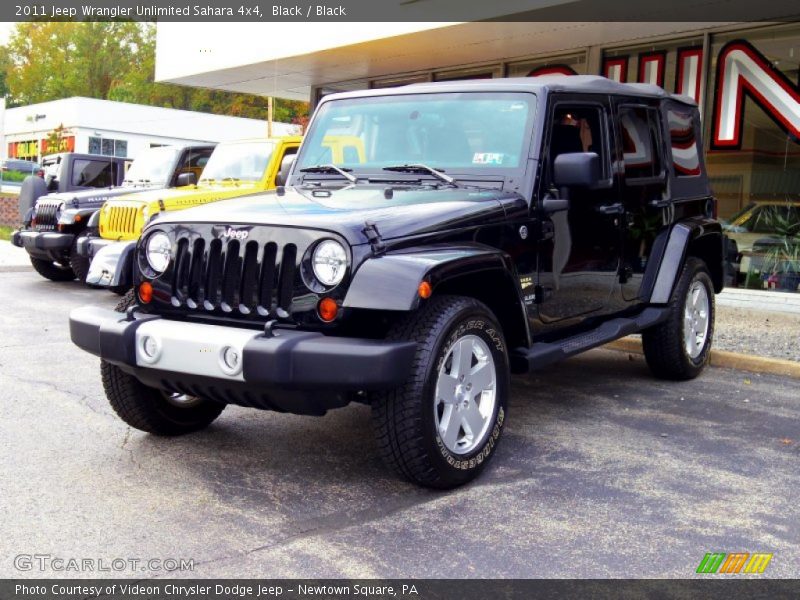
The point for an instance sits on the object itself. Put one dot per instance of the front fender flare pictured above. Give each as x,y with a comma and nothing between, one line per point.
391,281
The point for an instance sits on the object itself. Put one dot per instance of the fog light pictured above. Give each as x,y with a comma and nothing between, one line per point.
149,346
231,360
149,349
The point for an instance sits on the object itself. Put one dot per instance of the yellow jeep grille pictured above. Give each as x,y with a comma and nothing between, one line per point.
120,222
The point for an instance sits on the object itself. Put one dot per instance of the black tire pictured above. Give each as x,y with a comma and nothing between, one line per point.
51,270
405,425
665,344
127,300
79,264
150,409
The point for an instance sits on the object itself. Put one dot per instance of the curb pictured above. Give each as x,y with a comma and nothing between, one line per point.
725,360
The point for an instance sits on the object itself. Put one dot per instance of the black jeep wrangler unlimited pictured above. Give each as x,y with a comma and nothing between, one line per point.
51,230
485,228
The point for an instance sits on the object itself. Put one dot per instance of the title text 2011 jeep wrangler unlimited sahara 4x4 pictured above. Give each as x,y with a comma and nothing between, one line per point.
491,228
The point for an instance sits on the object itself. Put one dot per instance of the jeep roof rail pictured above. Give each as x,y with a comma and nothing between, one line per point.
544,84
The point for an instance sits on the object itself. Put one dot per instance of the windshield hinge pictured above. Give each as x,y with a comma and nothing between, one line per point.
374,238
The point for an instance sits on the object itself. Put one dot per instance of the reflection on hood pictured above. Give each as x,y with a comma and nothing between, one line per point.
406,211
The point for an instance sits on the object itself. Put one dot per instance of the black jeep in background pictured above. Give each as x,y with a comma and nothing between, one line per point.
51,229
490,228
70,172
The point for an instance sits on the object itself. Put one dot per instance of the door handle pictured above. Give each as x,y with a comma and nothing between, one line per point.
611,209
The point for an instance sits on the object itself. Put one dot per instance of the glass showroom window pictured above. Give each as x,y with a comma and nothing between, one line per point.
753,139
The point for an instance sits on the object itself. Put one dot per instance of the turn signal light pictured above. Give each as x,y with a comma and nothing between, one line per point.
424,290
327,309
146,292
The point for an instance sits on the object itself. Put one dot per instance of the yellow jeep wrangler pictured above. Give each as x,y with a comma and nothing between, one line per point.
234,169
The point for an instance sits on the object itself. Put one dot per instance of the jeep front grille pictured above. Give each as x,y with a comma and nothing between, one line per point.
120,222
46,215
241,277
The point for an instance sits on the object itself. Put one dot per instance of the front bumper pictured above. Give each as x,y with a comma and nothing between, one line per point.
43,244
112,262
188,358
88,246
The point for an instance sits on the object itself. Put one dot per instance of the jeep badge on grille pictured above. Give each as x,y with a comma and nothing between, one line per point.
232,233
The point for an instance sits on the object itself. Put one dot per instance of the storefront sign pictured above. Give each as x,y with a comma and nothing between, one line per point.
33,149
741,69
616,69
552,70
65,144
689,76
25,150
651,67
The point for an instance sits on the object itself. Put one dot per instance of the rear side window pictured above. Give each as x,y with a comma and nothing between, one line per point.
640,143
683,142
92,173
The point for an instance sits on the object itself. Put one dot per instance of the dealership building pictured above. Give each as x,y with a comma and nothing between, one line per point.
121,129
745,77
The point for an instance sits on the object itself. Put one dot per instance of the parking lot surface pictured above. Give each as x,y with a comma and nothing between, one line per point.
602,472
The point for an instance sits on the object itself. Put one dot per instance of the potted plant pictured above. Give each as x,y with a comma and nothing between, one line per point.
781,261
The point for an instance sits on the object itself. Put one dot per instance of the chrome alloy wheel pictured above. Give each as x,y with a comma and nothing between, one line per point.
696,314
466,394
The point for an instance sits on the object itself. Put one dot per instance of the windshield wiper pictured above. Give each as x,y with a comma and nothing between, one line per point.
330,168
420,168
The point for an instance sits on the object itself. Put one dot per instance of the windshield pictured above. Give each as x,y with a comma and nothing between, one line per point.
242,161
153,166
454,132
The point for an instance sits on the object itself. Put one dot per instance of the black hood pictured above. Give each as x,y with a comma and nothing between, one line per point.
93,197
407,211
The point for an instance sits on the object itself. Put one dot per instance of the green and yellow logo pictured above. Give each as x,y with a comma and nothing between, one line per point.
736,562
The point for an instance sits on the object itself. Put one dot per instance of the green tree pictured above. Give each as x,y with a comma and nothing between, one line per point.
114,61
4,65
51,60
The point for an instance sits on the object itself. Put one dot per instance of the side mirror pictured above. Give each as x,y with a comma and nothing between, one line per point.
576,169
286,167
185,179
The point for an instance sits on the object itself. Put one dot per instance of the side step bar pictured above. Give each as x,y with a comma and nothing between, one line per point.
544,354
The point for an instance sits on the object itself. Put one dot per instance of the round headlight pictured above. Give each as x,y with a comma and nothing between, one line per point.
329,262
159,249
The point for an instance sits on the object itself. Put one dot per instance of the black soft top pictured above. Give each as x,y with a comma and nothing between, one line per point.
587,84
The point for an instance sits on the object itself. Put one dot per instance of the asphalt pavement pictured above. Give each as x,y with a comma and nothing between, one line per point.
603,471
